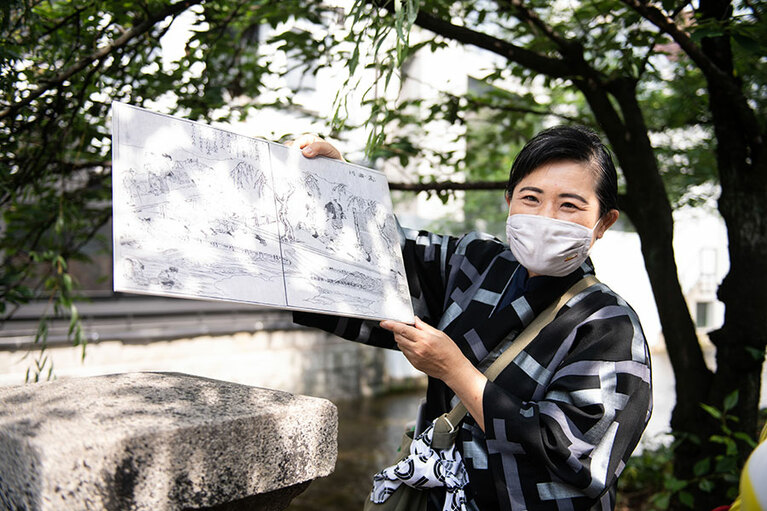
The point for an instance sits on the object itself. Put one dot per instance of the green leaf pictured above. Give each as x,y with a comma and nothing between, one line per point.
757,354
66,280
60,262
727,465
745,437
711,411
354,60
674,485
708,30
749,44
731,401
702,467
687,499
706,485
662,500
59,225
74,319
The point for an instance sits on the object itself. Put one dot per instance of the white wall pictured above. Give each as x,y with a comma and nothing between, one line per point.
700,247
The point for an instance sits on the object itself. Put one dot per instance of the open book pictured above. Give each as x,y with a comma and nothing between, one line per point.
205,213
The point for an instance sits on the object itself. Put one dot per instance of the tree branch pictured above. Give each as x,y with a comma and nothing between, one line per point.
79,165
682,38
524,57
409,187
76,14
523,110
713,73
443,186
754,11
651,48
567,47
101,53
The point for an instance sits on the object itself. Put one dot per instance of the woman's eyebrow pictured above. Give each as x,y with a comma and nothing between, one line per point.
573,196
567,195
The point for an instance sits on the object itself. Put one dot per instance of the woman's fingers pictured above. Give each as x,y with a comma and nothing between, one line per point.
321,148
397,328
311,146
304,140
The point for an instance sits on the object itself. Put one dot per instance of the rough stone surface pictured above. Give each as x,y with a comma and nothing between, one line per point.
275,500
157,441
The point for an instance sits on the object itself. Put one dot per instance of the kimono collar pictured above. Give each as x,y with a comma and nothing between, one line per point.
530,297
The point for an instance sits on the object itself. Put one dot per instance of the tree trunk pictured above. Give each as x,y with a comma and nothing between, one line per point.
648,208
740,342
742,162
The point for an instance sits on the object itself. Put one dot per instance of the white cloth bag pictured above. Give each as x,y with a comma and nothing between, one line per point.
425,467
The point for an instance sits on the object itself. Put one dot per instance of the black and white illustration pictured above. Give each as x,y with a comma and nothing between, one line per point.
200,212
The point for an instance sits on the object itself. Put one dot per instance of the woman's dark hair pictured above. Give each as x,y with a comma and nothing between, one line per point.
569,143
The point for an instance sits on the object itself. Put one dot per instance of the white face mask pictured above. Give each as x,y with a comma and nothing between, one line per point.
548,246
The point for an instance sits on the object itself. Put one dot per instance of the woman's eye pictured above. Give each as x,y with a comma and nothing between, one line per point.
531,198
569,205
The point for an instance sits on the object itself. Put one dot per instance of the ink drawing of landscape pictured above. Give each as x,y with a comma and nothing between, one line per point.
200,212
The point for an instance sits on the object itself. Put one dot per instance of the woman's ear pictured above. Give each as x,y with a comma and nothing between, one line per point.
508,198
607,221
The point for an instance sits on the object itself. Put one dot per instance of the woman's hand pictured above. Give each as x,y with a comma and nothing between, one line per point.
428,349
432,351
312,145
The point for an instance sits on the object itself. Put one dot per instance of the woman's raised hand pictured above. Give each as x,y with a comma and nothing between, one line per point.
432,351
312,145
429,350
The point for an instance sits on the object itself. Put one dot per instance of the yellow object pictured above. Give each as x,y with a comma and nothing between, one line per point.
753,480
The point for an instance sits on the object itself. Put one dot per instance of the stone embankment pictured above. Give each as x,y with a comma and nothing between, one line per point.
159,441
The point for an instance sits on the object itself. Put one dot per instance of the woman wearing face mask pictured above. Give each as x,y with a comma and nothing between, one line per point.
554,430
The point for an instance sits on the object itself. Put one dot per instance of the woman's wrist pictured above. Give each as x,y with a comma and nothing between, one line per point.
463,374
469,383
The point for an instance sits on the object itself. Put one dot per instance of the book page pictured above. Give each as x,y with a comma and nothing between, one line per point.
200,212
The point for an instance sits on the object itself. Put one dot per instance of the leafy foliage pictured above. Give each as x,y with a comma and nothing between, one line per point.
61,66
648,482
616,42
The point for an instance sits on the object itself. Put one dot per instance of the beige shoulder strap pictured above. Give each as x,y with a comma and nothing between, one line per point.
447,424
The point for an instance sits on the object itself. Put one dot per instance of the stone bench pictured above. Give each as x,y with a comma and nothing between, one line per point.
159,441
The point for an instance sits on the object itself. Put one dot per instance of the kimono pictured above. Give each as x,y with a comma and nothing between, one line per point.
563,418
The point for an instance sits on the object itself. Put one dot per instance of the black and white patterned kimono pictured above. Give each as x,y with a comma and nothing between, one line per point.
561,420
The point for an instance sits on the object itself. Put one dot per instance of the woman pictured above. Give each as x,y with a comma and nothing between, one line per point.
555,429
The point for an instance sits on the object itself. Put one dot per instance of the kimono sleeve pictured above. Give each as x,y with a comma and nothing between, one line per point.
572,440
425,255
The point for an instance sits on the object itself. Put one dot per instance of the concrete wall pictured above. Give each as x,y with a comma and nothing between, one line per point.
301,361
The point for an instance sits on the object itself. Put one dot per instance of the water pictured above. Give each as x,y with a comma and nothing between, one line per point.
369,431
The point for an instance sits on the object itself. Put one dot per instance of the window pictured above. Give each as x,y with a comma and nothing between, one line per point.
702,314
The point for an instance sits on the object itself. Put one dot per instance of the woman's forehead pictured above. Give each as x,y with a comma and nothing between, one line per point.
561,174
